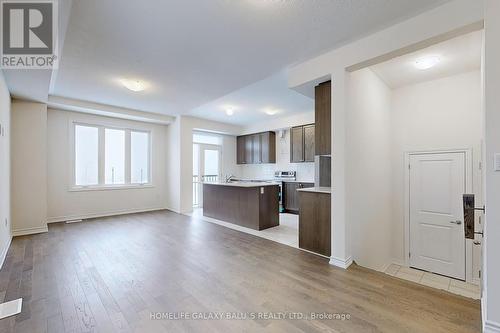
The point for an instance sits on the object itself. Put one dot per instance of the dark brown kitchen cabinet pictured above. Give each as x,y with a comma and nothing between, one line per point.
248,150
268,147
291,196
256,148
240,150
302,143
315,222
297,144
323,118
309,143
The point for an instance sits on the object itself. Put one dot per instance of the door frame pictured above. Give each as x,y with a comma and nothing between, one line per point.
468,188
201,164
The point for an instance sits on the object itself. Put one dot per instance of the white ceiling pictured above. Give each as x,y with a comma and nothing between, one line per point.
34,85
457,55
251,102
191,53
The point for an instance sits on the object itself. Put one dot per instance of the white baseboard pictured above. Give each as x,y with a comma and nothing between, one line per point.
342,263
384,267
102,214
4,252
483,308
491,327
173,210
30,231
399,262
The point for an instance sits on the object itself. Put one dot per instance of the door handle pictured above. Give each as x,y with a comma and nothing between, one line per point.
456,222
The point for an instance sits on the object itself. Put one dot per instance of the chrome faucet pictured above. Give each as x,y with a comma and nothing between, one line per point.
229,178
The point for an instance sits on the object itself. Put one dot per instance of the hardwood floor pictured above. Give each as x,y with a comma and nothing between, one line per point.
109,274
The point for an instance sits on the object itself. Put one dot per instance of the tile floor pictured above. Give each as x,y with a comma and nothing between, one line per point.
435,281
286,233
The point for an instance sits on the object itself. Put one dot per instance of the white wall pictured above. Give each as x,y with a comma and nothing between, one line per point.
305,171
280,123
368,169
173,166
436,115
180,157
5,216
491,293
382,125
64,204
417,32
229,166
29,167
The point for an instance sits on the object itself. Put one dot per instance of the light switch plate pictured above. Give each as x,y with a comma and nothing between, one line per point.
497,162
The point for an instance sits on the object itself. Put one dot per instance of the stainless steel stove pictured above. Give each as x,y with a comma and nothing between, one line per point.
280,177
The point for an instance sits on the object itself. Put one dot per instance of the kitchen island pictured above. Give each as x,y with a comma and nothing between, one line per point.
253,205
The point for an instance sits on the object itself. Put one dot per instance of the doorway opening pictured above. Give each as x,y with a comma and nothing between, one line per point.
435,234
207,163
415,145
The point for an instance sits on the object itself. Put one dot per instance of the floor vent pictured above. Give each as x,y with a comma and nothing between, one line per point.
11,308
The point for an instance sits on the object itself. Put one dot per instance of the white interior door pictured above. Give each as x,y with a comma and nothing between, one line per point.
437,240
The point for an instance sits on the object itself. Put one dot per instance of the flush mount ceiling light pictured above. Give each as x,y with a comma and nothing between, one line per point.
134,85
271,112
427,62
229,111
262,3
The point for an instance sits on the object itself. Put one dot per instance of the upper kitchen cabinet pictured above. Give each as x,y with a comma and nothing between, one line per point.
256,148
323,118
302,143
248,150
297,144
241,150
309,144
268,147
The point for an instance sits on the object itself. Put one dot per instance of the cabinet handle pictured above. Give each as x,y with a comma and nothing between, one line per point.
476,243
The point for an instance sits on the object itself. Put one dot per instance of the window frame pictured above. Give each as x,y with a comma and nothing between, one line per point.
73,147
150,152
73,187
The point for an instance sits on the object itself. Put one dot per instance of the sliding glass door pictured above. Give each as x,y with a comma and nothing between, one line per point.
206,168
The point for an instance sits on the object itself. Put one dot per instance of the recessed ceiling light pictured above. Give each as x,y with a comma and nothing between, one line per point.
134,85
427,62
229,112
271,112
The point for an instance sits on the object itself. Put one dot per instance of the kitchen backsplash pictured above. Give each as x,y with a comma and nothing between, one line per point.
305,171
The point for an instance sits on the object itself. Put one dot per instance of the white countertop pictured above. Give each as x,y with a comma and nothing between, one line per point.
244,184
327,190
298,181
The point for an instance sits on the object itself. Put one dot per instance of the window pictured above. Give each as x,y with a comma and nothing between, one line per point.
114,156
139,157
86,155
111,157
207,138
